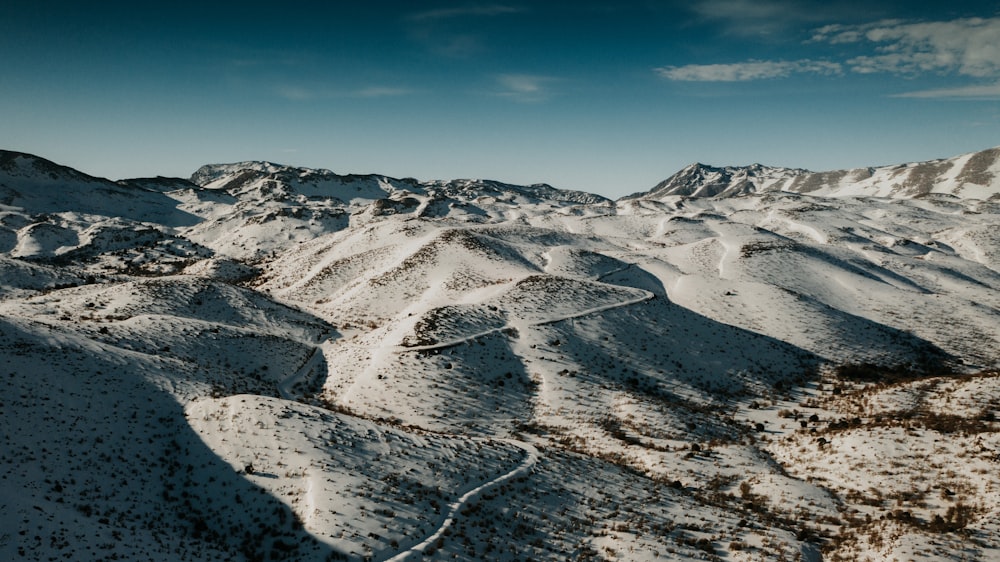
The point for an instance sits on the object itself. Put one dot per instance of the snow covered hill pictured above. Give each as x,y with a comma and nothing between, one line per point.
269,362
969,176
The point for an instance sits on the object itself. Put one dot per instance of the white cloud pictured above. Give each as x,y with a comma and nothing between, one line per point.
967,47
746,71
525,87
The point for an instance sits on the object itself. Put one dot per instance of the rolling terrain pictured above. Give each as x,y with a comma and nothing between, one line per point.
263,362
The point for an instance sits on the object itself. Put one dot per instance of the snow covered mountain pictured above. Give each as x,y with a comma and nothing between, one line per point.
701,180
970,176
270,362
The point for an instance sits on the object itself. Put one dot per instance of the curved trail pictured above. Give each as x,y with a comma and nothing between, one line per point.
380,352
288,383
579,314
530,458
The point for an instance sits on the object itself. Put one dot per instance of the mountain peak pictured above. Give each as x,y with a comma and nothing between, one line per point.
210,173
705,180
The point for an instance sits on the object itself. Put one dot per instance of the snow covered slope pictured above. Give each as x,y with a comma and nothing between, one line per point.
268,362
38,186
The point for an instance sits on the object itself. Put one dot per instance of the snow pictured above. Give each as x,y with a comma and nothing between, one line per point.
285,363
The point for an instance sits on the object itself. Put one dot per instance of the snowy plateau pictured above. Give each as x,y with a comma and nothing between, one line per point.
264,362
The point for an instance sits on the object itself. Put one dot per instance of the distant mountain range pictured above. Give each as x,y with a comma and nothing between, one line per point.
266,362
975,175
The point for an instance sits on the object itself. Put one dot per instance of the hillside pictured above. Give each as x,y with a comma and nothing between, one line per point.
264,362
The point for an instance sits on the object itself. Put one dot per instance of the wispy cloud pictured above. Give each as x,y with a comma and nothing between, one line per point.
448,31
452,45
978,92
380,92
763,17
297,93
746,71
525,88
475,10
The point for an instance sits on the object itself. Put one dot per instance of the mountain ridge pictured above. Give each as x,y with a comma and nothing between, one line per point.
975,174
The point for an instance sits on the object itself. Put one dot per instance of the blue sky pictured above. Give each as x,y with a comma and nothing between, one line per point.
606,97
